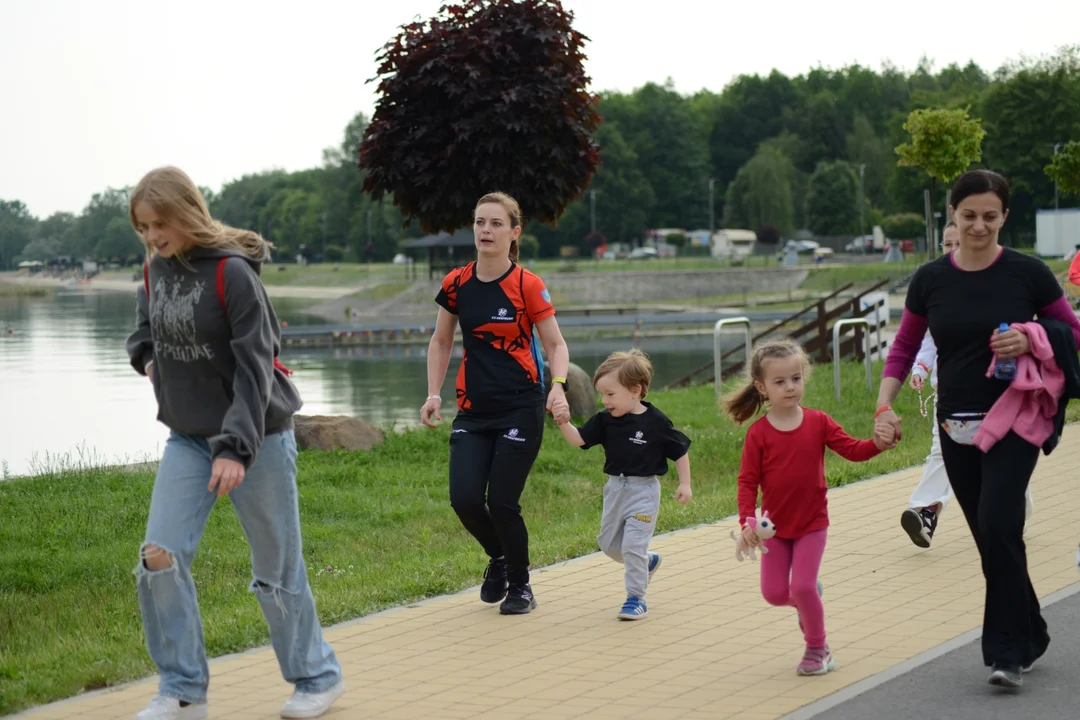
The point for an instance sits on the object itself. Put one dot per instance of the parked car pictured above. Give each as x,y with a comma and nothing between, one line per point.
643,253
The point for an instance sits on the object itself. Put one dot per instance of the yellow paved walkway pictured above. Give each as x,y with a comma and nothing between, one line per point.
710,648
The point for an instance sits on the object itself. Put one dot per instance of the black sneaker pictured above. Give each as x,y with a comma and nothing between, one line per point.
519,600
919,525
1007,676
494,588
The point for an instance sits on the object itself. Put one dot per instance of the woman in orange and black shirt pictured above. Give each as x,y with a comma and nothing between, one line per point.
505,314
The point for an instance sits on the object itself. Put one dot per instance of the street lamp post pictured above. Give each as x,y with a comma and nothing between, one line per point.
1057,146
862,206
592,210
712,212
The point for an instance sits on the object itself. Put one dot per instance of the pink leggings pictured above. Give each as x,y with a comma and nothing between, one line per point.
789,574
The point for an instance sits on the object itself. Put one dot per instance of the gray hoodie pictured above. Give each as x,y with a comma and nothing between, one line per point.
214,374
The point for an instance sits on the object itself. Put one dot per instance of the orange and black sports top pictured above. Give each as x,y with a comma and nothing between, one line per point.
502,367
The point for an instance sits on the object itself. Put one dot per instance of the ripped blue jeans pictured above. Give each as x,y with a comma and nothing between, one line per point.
267,506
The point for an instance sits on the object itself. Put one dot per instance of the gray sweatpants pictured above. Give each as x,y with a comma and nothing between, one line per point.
631,505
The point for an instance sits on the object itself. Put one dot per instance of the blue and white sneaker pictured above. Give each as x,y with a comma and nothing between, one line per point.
633,609
654,562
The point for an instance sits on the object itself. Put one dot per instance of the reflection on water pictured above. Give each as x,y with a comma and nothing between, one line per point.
69,394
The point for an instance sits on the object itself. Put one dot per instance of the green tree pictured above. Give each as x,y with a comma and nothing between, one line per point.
1064,169
17,228
944,143
760,194
1030,106
903,226
832,200
662,128
119,243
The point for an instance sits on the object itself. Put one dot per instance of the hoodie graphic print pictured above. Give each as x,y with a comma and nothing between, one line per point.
214,374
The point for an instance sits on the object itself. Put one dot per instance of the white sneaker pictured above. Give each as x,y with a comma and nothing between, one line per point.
168,708
311,705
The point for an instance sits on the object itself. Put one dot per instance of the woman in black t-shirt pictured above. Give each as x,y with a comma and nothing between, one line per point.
505,314
963,297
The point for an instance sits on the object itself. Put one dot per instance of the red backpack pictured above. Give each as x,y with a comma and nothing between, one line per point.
220,294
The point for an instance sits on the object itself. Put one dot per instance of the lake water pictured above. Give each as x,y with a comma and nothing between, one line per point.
70,396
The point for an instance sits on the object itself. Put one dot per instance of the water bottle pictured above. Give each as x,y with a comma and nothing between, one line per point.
1006,367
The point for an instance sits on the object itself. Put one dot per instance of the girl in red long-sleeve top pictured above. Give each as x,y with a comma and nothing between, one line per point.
784,456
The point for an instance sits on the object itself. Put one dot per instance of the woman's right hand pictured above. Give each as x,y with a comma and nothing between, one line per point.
432,406
750,537
888,417
917,382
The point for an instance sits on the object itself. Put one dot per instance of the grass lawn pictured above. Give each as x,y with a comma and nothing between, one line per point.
378,532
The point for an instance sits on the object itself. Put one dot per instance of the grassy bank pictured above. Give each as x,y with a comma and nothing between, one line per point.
378,532
12,290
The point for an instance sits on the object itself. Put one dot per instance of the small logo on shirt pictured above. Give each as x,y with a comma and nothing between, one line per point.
546,295
503,314
637,439
513,435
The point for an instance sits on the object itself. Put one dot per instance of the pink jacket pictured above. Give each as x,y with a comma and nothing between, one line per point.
1029,405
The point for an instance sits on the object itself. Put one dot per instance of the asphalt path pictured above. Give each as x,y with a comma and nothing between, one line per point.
953,685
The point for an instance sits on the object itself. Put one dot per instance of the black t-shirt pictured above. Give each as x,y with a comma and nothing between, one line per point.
635,445
963,309
503,367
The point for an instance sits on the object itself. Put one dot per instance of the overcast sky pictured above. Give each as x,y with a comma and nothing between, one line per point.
93,93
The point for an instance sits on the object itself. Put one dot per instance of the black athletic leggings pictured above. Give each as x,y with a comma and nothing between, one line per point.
491,455
990,488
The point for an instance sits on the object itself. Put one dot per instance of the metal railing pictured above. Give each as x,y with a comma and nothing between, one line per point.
718,351
836,350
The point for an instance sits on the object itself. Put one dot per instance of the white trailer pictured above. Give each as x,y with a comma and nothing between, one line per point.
1057,232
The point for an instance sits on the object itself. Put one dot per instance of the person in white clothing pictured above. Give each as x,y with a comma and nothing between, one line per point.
933,492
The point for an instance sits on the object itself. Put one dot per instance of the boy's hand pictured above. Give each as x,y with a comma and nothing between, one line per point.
684,493
750,537
884,436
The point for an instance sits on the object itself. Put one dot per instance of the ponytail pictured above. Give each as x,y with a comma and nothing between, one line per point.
744,403
515,251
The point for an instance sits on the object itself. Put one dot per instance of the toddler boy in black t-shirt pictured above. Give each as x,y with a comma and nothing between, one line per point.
638,440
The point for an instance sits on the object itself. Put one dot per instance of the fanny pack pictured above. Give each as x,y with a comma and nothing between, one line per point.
963,427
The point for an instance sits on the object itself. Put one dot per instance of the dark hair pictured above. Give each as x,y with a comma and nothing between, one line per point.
977,182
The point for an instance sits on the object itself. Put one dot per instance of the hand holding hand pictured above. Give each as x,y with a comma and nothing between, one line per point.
884,436
560,411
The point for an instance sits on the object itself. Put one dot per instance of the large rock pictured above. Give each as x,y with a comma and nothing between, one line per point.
580,392
331,432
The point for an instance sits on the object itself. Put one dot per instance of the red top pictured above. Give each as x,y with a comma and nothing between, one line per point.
789,467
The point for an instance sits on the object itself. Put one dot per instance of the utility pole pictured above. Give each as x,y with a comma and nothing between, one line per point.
712,211
592,210
862,208
1057,146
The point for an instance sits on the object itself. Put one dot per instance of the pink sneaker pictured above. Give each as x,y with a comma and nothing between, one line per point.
816,661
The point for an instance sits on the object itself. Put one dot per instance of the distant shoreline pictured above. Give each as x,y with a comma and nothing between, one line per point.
113,284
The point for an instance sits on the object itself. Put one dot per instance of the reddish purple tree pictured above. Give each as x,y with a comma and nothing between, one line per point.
487,95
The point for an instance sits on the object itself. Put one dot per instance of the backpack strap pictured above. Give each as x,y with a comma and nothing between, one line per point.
146,278
221,298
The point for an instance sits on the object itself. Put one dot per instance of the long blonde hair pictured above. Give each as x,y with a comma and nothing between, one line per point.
512,209
176,200
747,401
